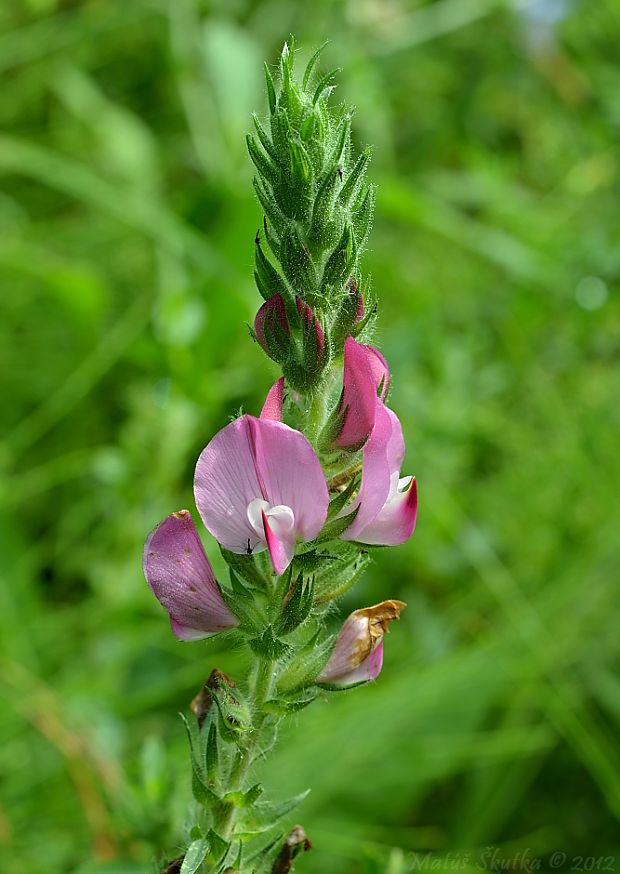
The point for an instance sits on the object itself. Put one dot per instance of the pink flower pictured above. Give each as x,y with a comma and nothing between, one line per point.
366,376
387,503
358,654
259,485
182,579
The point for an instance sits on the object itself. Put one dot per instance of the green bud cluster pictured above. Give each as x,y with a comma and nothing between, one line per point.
318,210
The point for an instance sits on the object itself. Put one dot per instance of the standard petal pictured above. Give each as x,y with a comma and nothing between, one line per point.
395,522
253,459
272,408
182,579
359,395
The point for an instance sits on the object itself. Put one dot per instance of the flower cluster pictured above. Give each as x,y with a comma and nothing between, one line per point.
296,496
259,485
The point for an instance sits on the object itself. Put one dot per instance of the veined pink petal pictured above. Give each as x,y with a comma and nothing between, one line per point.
359,396
395,522
181,578
272,408
369,669
260,459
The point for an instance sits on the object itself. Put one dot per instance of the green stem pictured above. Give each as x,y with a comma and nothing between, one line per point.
244,759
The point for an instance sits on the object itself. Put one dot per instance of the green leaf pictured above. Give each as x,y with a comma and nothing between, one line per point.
195,856
324,83
334,529
247,568
218,846
212,756
284,706
264,815
244,799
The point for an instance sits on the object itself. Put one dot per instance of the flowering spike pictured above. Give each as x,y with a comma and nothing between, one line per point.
181,578
358,654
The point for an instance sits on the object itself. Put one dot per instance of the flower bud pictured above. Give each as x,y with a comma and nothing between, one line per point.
314,348
272,330
358,654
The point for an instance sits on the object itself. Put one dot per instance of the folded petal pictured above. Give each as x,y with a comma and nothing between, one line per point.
358,653
182,579
261,459
376,474
380,370
272,408
395,522
359,396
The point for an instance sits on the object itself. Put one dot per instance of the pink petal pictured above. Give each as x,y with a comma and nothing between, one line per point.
376,474
270,316
272,408
369,669
182,579
281,549
395,523
359,395
380,370
253,459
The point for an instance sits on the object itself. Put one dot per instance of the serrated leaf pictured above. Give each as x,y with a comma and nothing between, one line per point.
195,856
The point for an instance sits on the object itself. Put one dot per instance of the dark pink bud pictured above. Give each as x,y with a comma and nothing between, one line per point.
271,328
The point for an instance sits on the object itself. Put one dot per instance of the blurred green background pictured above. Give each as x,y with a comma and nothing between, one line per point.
126,242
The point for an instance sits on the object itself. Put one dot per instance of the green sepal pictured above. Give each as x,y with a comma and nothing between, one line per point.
264,138
195,855
351,187
271,91
297,609
269,205
340,501
311,65
332,530
212,755
342,260
269,281
261,161
245,567
362,218
234,718
244,799
296,261
284,706
243,605
324,82
267,645
340,571
309,661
